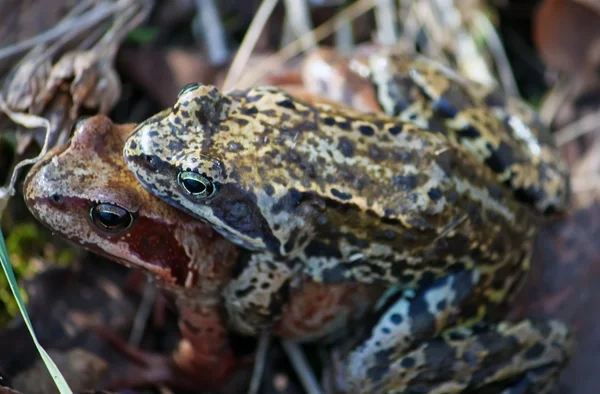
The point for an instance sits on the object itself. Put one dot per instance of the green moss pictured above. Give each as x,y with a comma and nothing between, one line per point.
30,250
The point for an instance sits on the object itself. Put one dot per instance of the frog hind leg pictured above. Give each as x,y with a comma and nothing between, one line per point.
508,358
411,346
203,357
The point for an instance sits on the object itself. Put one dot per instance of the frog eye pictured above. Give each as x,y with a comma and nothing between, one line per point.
195,184
111,217
188,88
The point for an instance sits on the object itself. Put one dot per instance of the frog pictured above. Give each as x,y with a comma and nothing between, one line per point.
84,193
337,195
503,132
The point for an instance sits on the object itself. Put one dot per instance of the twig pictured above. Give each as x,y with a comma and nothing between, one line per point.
209,24
259,364
143,313
344,37
32,122
298,16
296,356
581,126
81,23
249,42
555,99
385,13
272,62
485,27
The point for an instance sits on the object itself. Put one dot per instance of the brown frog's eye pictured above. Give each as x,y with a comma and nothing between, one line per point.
196,185
188,88
111,217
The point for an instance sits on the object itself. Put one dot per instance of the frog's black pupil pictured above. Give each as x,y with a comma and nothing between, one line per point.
111,217
194,185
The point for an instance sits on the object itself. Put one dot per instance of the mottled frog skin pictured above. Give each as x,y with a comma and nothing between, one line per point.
337,195
503,132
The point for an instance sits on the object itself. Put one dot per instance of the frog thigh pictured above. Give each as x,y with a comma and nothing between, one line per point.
516,358
414,318
254,299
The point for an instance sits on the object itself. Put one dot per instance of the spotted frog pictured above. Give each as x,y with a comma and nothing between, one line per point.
337,195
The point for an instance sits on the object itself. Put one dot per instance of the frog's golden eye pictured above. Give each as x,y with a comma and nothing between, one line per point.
196,185
111,217
188,88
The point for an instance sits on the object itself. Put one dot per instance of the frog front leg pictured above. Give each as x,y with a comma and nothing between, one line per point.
254,298
411,347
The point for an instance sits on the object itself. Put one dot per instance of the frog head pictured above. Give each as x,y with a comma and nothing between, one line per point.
190,157
85,193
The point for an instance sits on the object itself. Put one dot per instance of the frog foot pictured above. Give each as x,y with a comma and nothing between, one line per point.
184,369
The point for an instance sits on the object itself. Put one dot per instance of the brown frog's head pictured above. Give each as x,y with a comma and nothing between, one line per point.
85,193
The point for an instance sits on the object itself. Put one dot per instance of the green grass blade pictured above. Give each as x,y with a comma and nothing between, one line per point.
58,378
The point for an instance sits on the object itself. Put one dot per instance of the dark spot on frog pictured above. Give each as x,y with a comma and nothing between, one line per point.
253,98
395,130
376,153
366,130
500,158
387,235
469,132
249,111
241,293
535,352
176,145
240,121
346,147
329,121
441,305
408,362
286,104
379,371
345,125
444,107
340,195
321,249
269,189
434,194
405,182
235,146
396,319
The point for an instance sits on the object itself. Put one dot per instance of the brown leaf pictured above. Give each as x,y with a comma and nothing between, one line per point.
565,31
